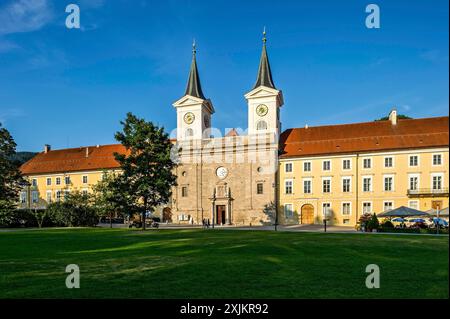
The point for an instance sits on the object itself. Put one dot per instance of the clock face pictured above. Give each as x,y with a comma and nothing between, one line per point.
189,118
221,172
262,110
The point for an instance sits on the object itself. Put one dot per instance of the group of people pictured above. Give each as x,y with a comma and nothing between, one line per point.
205,223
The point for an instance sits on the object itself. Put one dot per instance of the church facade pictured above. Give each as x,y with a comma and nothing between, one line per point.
263,176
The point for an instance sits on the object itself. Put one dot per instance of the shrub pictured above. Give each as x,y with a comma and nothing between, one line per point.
75,210
387,224
373,223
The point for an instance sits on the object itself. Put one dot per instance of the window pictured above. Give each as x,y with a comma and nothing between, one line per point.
288,167
388,183
34,182
346,209
346,164
23,197
326,185
413,204
49,181
67,180
288,210
367,208
261,126
84,192
259,188
388,206
58,181
66,195
189,132
288,186
367,184
388,162
326,165
326,209
85,179
34,196
367,163
437,182
346,184
413,182
346,221
58,196
307,186
307,166
413,160
49,196
184,191
437,159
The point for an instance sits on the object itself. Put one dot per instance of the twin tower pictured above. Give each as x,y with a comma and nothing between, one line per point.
194,110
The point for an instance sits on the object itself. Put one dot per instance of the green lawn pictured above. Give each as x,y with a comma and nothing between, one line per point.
220,264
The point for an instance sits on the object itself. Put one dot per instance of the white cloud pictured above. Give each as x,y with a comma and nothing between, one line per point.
24,16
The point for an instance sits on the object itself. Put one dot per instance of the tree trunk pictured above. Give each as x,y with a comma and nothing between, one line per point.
143,213
110,220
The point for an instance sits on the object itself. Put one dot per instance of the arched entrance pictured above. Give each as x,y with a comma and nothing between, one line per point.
307,216
167,215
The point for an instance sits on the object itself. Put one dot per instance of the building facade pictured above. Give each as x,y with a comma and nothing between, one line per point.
263,176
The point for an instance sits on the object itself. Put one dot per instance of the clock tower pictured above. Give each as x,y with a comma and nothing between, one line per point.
193,109
264,100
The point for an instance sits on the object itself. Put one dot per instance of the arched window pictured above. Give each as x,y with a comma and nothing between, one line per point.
189,132
261,125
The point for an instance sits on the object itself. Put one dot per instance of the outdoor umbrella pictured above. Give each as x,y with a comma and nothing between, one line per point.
402,211
442,212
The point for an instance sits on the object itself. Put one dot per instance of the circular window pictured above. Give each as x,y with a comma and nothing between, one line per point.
259,169
183,173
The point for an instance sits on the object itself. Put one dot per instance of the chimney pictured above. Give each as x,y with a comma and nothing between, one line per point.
47,148
87,151
306,126
393,117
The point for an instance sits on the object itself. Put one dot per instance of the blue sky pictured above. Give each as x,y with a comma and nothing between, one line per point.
69,87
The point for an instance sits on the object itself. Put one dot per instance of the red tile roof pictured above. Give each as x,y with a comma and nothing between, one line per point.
365,137
73,159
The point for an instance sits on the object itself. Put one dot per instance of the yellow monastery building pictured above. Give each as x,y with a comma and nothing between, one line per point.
334,171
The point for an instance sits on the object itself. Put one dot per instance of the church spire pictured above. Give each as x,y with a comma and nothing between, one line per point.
264,74
193,86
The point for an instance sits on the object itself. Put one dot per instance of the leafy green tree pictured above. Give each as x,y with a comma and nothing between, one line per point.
373,222
76,210
147,168
109,196
11,180
400,117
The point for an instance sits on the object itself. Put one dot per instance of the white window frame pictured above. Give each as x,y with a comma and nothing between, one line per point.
309,179
367,202
331,185
82,180
23,197
432,159
323,206
342,163
48,181
371,183
392,185
286,166
58,180
418,181
393,161
328,170
291,214
47,197
388,201
58,195
442,181
65,180
33,199
34,182
409,160
85,191
342,183
310,166
292,186
342,209
371,163
414,201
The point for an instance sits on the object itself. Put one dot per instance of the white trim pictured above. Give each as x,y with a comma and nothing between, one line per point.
371,206
371,183
418,160
432,159
342,164
414,201
292,210
292,167
410,175
442,175
310,166
342,208
371,163
393,182
331,165
393,161
292,186
326,178
321,206
304,179
388,201
342,183
51,196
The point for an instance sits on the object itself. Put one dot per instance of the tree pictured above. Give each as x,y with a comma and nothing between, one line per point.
400,117
373,222
147,168
110,197
11,180
76,210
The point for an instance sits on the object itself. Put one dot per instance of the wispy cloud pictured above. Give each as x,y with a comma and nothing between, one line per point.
24,16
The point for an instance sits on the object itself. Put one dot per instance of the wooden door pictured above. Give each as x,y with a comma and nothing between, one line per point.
307,216
220,216
436,204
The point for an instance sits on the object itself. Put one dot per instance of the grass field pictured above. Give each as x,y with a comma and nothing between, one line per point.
220,264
